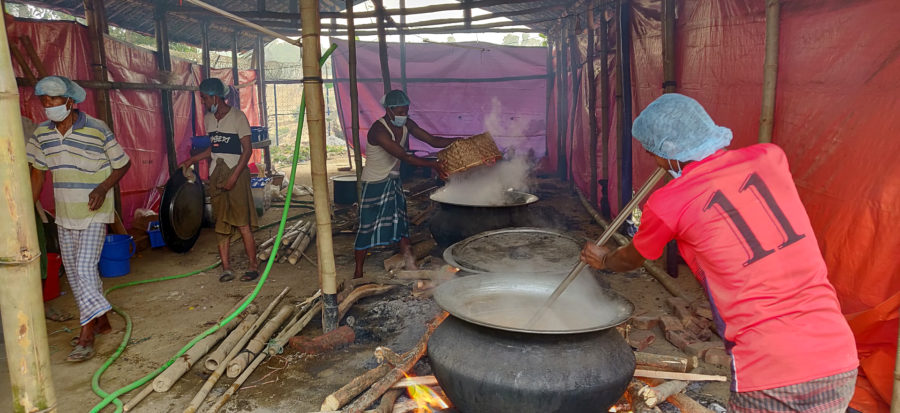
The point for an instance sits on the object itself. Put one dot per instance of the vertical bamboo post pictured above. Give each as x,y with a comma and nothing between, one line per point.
260,54
235,74
403,45
592,102
574,59
312,88
562,95
354,97
21,303
164,65
668,50
96,28
382,46
625,178
604,112
551,78
895,399
770,72
204,40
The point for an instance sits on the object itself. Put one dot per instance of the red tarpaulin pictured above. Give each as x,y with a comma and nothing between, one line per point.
835,116
64,50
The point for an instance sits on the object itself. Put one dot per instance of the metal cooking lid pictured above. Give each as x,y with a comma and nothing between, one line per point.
181,212
519,250
508,301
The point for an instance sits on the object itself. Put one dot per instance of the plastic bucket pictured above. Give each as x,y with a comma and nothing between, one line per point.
115,257
51,283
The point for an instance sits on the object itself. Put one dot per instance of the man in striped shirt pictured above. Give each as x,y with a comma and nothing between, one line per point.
86,162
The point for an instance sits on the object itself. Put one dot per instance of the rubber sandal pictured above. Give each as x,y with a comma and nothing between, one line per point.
74,341
250,276
53,314
81,353
226,276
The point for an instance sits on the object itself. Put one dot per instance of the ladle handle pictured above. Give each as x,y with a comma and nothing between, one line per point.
612,228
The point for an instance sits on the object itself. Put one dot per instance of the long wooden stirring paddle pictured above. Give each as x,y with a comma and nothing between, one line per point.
613,226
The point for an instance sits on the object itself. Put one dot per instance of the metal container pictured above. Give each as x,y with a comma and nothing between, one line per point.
344,189
518,249
458,219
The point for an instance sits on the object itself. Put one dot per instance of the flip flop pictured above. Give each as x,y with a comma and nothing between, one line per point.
53,314
74,341
250,276
226,276
81,353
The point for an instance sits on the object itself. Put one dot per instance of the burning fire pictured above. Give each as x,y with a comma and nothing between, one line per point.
425,398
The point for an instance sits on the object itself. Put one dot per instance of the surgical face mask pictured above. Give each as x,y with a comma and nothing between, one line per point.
674,173
398,121
213,108
57,113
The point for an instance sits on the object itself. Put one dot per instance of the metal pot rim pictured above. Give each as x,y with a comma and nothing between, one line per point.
528,199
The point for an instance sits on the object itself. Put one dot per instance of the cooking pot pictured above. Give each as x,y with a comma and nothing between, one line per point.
181,211
458,219
487,361
344,189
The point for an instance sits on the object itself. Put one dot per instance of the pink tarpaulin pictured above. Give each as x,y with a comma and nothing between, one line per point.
505,93
64,50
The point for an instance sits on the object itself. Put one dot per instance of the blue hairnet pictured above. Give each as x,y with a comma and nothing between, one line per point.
677,127
395,98
59,86
213,87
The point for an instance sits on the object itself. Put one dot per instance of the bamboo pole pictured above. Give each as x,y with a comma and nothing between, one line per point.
204,45
770,72
592,101
312,88
895,399
668,51
167,378
21,303
382,47
354,98
239,362
242,21
220,353
96,24
235,73
260,54
624,51
403,46
164,65
561,95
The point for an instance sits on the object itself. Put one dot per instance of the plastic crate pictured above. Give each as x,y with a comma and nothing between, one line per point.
156,238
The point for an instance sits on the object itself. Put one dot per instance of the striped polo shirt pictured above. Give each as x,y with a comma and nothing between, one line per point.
79,160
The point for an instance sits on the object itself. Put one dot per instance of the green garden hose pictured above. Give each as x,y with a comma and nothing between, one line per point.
113,397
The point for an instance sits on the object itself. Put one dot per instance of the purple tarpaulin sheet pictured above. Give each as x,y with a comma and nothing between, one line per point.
458,89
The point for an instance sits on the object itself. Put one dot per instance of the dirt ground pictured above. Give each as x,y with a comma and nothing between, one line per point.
168,314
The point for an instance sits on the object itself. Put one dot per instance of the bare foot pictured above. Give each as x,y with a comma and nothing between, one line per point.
357,275
101,325
410,262
86,337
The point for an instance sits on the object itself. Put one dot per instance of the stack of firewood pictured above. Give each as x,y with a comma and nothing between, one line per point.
294,242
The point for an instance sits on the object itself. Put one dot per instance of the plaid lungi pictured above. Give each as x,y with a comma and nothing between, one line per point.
382,214
80,250
828,394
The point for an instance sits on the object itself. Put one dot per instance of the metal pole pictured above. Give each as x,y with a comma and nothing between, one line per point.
21,302
312,88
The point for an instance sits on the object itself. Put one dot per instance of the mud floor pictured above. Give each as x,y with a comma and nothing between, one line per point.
168,314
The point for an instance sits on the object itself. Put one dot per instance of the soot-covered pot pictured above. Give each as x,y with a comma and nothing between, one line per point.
458,219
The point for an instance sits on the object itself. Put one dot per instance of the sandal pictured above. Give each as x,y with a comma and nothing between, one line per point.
74,341
250,276
53,314
81,353
226,276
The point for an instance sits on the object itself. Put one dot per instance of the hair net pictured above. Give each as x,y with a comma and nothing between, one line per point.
395,98
213,87
59,86
677,127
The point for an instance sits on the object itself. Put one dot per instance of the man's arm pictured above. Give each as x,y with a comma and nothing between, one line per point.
378,135
98,195
424,136
37,182
622,259
206,154
246,151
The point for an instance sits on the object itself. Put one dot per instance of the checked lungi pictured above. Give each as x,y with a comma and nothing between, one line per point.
80,250
382,214
829,394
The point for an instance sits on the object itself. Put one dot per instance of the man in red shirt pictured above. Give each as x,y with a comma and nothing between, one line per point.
742,229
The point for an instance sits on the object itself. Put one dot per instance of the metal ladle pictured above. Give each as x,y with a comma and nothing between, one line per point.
613,226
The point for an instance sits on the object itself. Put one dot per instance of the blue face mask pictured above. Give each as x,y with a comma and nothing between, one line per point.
58,113
213,108
674,173
398,121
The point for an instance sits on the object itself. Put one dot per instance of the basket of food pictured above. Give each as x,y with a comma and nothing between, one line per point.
467,153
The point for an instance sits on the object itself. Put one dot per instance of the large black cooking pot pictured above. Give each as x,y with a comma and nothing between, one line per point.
181,211
458,219
487,359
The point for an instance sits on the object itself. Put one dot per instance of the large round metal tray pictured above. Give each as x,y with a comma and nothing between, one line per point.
516,250
181,212
508,301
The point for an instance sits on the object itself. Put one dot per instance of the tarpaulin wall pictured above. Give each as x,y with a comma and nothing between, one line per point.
458,89
836,117
64,49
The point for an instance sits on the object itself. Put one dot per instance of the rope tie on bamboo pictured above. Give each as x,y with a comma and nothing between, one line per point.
273,344
252,354
312,79
24,260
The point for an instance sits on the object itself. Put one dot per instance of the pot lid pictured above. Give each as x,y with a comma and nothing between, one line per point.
518,250
509,198
181,212
508,301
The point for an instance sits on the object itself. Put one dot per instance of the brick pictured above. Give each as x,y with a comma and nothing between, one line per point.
717,356
670,323
680,308
640,339
675,302
340,337
702,309
699,348
697,326
680,338
644,322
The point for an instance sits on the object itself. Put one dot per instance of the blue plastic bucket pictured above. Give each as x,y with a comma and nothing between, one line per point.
115,257
259,133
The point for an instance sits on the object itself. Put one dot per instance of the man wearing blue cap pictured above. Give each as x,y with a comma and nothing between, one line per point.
742,229
229,178
86,163
382,214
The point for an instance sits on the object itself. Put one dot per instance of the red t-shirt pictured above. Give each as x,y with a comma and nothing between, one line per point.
742,229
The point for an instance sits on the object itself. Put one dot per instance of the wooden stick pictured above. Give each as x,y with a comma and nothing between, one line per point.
221,352
336,400
653,395
301,246
419,250
167,379
686,404
650,361
427,381
637,405
669,375
139,397
444,273
386,405
386,355
392,376
239,362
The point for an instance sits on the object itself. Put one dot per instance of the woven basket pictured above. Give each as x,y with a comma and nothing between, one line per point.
468,153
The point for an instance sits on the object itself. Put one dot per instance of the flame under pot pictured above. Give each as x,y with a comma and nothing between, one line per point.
488,370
